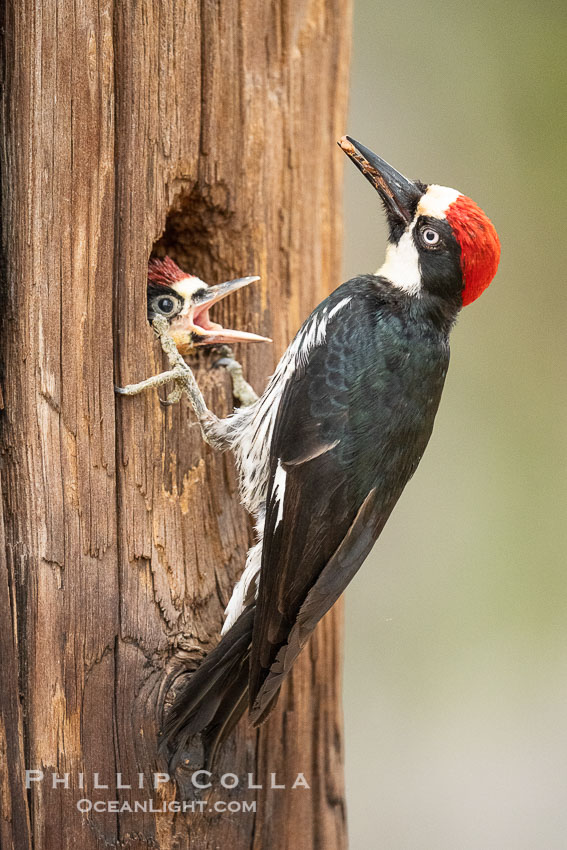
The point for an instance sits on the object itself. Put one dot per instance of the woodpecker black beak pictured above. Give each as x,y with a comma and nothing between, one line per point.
399,195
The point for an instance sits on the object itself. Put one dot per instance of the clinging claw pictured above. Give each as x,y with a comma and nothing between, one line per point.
241,389
174,396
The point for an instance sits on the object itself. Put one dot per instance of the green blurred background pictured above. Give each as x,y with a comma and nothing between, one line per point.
456,648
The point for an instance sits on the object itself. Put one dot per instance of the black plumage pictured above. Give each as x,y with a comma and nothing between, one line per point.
351,428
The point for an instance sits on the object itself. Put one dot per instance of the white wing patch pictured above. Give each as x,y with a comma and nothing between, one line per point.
342,303
253,427
245,588
309,337
279,491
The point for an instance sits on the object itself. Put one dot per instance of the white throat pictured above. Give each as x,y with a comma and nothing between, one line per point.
401,266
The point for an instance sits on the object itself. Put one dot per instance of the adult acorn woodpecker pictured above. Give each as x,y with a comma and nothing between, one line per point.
326,451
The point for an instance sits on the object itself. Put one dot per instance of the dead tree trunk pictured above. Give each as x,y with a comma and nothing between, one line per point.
208,128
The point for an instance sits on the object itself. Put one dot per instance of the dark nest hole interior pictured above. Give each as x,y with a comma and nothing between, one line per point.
202,237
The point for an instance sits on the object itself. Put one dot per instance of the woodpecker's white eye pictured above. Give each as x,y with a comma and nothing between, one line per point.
430,236
166,305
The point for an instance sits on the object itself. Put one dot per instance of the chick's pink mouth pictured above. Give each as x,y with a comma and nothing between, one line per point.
202,319
197,328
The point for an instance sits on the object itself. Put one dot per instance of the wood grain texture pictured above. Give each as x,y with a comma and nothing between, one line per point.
207,129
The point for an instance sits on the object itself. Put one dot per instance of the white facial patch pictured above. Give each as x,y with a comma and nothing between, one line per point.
436,201
187,287
401,266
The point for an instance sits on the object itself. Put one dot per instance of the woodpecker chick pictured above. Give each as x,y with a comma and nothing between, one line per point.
326,451
178,309
185,300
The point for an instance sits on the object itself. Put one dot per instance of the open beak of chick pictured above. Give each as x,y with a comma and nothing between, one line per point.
185,301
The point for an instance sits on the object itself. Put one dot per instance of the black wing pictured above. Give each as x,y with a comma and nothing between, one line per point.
347,437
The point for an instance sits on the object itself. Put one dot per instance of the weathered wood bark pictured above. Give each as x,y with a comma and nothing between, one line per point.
210,126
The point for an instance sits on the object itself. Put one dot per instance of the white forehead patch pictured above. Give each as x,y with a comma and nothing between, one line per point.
436,201
187,287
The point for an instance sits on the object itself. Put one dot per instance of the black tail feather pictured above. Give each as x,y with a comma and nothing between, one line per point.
214,697
229,712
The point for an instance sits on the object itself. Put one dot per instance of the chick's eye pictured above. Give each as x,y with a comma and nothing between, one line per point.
166,305
430,236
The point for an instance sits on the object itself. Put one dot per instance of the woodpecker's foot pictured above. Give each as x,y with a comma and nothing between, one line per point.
241,389
148,384
175,396
181,374
176,375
